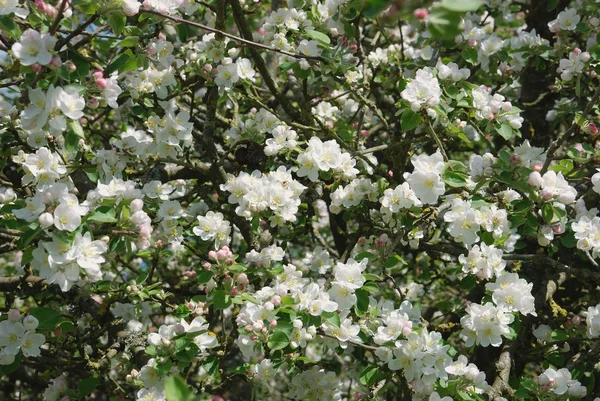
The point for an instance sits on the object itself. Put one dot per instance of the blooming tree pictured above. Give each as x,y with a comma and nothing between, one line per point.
304,200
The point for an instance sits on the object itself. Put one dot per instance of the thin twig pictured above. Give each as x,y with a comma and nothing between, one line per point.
236,38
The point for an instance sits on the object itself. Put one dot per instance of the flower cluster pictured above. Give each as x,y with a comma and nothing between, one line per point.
17,334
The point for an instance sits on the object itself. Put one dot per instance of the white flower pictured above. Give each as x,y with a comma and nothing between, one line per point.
227,75
485,325
244,69
423,91
88,253
593,321
427,186
31,343
213,226
11,336
131,7
65,218
34,48
513,293
8,7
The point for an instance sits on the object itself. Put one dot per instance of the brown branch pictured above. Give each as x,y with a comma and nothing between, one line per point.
560,140
236,38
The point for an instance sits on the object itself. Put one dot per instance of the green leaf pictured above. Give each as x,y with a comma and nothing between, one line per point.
370,375
183,32
28,236
221,300
238,268
444,23
104,214
552,5
318,36
362,302
468,282
568,240
129,41
461,5
455,179
547,213
176,389
469,55
123,62
48,318
8,369
372,277
332,318
278,340
88,6
204,276
370,287
505,131
374,7
76,128
409,120
87,386
117,22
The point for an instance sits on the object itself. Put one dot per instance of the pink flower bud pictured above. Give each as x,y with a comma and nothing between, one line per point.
93,103
577,51
191,305
364,133
258,325
353,47
229,261
472,42
101,83
248,327
55,63
263,330
576,320
212,255
579,147
179,329
592,129
357,395
585,57
242,279
190,274
234,291
537,167
40,5
535,179
206,265
14,315
390,173
276,300
515,159
273,323
547,194
50,11
97,74
70,66
421,13
37,67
